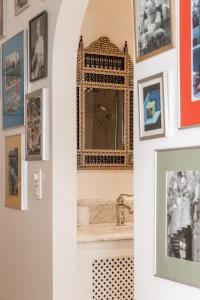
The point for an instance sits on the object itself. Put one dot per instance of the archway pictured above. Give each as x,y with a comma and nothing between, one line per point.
64,172
63,146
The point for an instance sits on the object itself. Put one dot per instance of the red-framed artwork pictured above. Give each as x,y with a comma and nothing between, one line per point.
189,64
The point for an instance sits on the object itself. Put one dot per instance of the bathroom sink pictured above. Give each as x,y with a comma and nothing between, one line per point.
104,232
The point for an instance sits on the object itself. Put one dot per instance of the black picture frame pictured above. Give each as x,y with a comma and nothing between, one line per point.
40,71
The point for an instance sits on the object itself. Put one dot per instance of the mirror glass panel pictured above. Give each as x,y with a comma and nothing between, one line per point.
104,119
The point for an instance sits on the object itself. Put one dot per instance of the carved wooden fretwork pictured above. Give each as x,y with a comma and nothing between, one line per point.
103,65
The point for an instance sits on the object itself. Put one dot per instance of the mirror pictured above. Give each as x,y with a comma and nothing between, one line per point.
104,106
104,119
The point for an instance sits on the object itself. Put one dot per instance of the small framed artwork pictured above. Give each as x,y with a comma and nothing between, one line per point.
15,173
13,80
3,13
153,27
38,46
37,125
189,70
177,254
152,95
20,5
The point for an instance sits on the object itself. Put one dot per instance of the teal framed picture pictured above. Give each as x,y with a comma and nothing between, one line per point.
177,255
13,81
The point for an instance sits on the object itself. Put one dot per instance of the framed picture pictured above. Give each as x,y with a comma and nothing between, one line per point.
152,95
177,254
20,5
37,125
15,173
38,46
13,80
3,13
189,70
153,27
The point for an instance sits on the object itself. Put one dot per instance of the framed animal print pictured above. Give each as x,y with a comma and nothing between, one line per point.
20,5
15,173
153,106
153,27
177,228
38,46
13,80
37,125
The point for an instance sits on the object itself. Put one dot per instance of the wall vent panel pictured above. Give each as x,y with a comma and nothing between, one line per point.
112,278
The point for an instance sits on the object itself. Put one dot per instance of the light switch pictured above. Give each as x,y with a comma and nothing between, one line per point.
38,184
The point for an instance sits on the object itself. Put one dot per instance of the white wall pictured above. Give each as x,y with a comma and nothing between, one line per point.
114,19
26,237
26,241
146,285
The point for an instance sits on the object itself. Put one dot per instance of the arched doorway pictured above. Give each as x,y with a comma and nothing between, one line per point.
64,171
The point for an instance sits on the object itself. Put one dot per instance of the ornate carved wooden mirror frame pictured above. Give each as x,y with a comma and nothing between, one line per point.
102,66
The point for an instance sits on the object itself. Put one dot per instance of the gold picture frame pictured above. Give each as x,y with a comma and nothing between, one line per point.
154,28
15,170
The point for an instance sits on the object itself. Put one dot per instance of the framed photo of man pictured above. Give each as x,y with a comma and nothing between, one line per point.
153,27
38,46
3,4
20,5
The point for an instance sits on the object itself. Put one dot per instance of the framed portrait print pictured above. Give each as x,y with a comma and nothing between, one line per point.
38,46
20,5
37,125
189,70
13,81
15,173
153,27
152,95
3,15
177,254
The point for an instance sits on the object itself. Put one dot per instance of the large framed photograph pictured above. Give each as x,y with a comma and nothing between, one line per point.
15,173
38,46
37,125
178,215
3,15
20,5
189,71
153,27
13,80
152,95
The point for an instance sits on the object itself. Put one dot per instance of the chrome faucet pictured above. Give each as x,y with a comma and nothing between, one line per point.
120,208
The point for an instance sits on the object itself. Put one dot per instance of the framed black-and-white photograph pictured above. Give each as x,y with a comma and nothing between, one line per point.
20,5
37,125
3,13
153,27
152,95
178,215
38,46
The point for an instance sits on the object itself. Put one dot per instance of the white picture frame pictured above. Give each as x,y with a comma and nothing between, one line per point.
21,7
154,90
36,125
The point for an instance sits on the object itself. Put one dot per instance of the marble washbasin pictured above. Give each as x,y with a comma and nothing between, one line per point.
104,232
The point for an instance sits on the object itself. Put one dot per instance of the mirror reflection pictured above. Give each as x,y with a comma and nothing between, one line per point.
104,119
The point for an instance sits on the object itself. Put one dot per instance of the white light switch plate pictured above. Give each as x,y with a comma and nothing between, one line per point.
38,184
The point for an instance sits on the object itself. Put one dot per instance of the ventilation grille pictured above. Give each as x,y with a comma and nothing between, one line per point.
113,278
